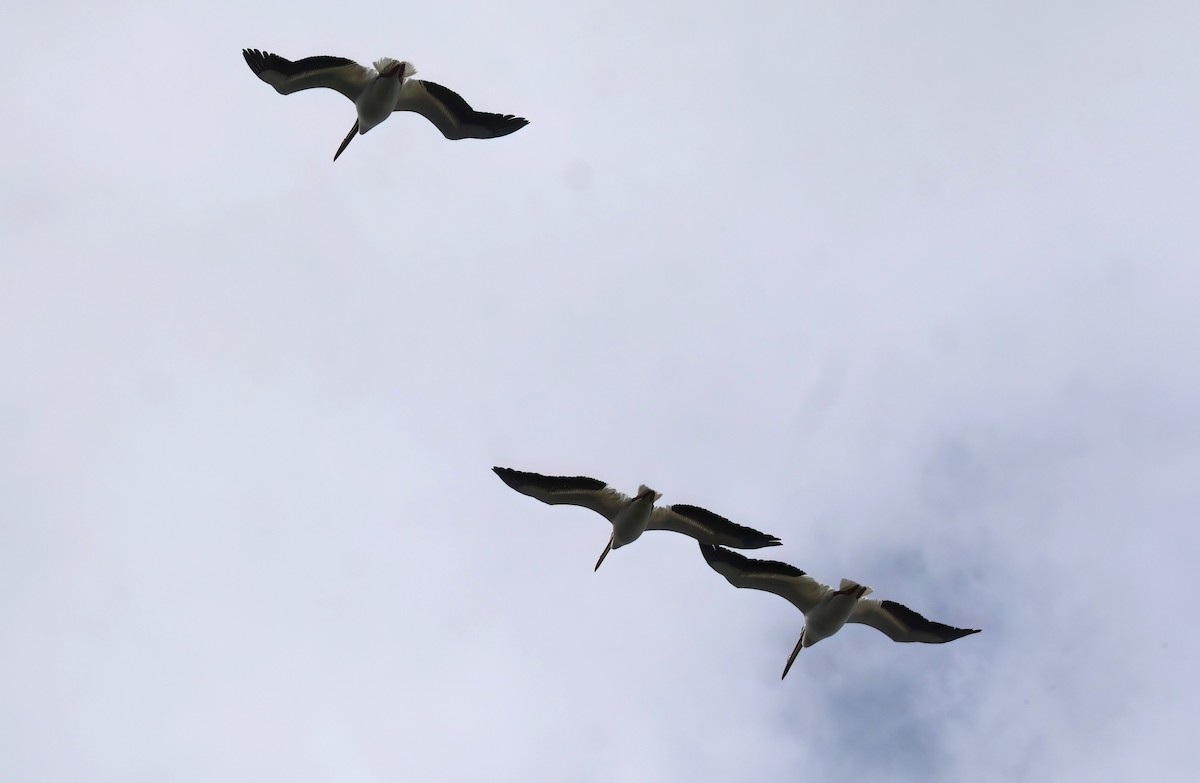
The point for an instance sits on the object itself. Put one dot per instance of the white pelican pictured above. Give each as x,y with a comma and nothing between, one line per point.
379,91
826,610
630,517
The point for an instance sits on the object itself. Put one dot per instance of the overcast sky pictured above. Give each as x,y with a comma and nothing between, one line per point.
912,286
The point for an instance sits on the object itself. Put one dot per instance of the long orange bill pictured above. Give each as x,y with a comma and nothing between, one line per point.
792,657
604,554
347,140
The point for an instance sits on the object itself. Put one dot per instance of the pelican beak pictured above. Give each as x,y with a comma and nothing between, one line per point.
604,554
347,140
792,657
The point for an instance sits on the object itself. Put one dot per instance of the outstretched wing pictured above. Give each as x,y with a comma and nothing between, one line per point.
773,576
336,73
707,527
903,624
574,490
452,115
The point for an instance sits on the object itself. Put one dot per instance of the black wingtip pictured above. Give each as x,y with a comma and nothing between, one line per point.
508,476
520,478
714,554
508,124
725,531
496,125
261,61
920,622
257,59
717,554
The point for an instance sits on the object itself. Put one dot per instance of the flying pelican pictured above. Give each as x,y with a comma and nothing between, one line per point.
630,517
826,610
379,91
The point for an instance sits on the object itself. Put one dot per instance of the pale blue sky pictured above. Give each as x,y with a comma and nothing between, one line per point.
911,286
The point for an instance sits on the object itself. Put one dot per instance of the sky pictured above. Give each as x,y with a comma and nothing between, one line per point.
911,286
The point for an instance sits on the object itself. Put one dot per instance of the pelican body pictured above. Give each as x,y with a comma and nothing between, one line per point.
378,99
827,617
379,92
634,517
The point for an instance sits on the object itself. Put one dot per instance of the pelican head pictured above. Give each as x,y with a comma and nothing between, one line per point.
645,492
853,589
389,68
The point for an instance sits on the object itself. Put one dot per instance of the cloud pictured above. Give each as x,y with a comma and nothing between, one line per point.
910,289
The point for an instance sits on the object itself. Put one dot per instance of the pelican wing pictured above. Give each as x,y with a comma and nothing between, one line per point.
573,490
452,115
707,527
903,624
773,576
336,73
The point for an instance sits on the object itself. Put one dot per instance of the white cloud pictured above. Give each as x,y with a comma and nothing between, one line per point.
911,288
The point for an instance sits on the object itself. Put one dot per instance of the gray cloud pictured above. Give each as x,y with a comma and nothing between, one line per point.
911,288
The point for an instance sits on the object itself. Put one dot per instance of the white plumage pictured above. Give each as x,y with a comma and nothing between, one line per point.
630,517
826,610
379,92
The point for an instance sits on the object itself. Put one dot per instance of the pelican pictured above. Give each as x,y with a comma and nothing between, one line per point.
632,516
379,91
826,610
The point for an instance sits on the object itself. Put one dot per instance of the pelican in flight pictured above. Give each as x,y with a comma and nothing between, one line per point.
632,516
379,91
826,610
